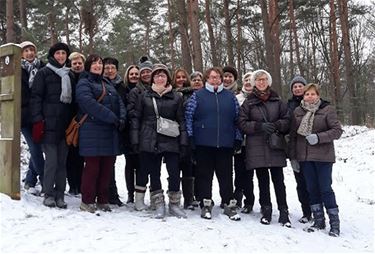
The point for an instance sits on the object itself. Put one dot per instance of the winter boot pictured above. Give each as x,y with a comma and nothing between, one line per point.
334,222
306,214
49,201
104,207
207,209
238,196
130,198
140,201
60,203
231,210
174,204
284,218
247,209
158,198
319,220
87,207
266,215
188,192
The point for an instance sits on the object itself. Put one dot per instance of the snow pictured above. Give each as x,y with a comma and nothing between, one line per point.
29,227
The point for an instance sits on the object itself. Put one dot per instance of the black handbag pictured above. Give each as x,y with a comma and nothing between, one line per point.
276,140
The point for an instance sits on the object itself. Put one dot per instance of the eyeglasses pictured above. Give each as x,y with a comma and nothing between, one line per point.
196,80
214,77
160,76
262,80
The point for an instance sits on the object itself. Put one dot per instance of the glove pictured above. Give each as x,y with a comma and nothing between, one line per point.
237,146
313,139
135,148
192,143
121,125
184,152
38,131
295,166
269,128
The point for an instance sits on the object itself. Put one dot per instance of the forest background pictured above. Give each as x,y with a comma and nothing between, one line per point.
329,42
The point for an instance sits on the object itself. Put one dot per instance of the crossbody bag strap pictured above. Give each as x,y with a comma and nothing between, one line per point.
155,107
101,97
263,114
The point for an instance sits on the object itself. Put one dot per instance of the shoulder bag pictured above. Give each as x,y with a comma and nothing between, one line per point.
165,126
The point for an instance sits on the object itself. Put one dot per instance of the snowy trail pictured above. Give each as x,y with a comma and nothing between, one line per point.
29,227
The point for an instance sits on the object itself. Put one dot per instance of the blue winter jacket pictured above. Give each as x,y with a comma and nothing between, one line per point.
211,118
98,136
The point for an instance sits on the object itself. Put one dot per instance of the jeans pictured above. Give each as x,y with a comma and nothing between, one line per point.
318,176
36,163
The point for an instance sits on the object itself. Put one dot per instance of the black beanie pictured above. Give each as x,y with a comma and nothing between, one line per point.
231,70
59,46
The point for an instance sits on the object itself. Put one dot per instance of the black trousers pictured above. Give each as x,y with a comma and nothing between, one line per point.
131,169
303,194
212,160
264,186
74,167
243,179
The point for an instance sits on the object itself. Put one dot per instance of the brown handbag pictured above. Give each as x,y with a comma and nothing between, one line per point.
71,133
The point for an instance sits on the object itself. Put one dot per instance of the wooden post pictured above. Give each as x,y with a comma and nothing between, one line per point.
10,119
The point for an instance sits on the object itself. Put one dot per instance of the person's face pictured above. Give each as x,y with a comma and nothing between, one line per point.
110,71
146,76
228,79
97,67
133,75
60,56
311,96
29,53
214,79
261,82
180,79
297,89
246,84
197,83
77,65
160,79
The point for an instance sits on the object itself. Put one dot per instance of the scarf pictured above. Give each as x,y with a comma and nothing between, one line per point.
66,87
263,95
31,68
307,121
232,87
211,88
161,90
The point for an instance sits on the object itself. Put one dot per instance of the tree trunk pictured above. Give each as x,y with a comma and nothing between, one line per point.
215,61
239,38
10,35
183,30
294,37
349,72
67,32
23,19
171,39
52,28
195,34
334,66
228,33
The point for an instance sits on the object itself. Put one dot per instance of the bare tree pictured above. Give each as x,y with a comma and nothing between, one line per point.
10,35
183,30
215,61
239,38
193,8
294,38
171,37
228,33
23,18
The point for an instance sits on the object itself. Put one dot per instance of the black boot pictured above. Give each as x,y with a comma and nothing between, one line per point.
188,192
319,220
238,195
284,218
334,221
306,214
266,215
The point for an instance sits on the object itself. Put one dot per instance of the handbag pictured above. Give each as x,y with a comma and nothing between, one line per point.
71,133
276,140
165,126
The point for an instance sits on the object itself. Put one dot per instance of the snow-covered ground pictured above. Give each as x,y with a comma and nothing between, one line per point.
29,227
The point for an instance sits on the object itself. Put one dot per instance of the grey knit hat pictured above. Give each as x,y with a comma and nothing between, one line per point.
297,79
161,67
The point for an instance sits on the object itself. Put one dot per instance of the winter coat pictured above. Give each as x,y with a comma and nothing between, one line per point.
326,126
294,102
258,152
26,116
45,104
211,118
143,124
99,136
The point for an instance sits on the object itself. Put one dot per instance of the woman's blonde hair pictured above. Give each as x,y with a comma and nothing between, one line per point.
310,86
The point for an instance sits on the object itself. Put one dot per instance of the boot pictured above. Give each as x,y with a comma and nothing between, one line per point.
334,222
130,198
319,220
206,212
104,207
188,192
238,195
152,201
231,210
306,214
284,218
174,204
87,207
140,201
158,198
49,201
266,215
60,203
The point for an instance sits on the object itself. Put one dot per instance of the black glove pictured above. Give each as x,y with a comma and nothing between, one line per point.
237,146
121,125
269,128
135,148
192,143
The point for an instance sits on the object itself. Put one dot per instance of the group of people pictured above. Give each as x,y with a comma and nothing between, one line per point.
196,124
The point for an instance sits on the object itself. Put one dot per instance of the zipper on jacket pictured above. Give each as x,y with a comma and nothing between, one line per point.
218,120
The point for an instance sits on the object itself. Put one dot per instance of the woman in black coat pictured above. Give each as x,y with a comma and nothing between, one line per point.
153,146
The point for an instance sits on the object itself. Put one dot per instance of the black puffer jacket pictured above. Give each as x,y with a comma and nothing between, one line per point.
46,105
143,124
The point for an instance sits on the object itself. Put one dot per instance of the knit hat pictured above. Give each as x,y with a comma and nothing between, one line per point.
58,46
25,44
158,67
257,73
231,70
247,75
297,79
